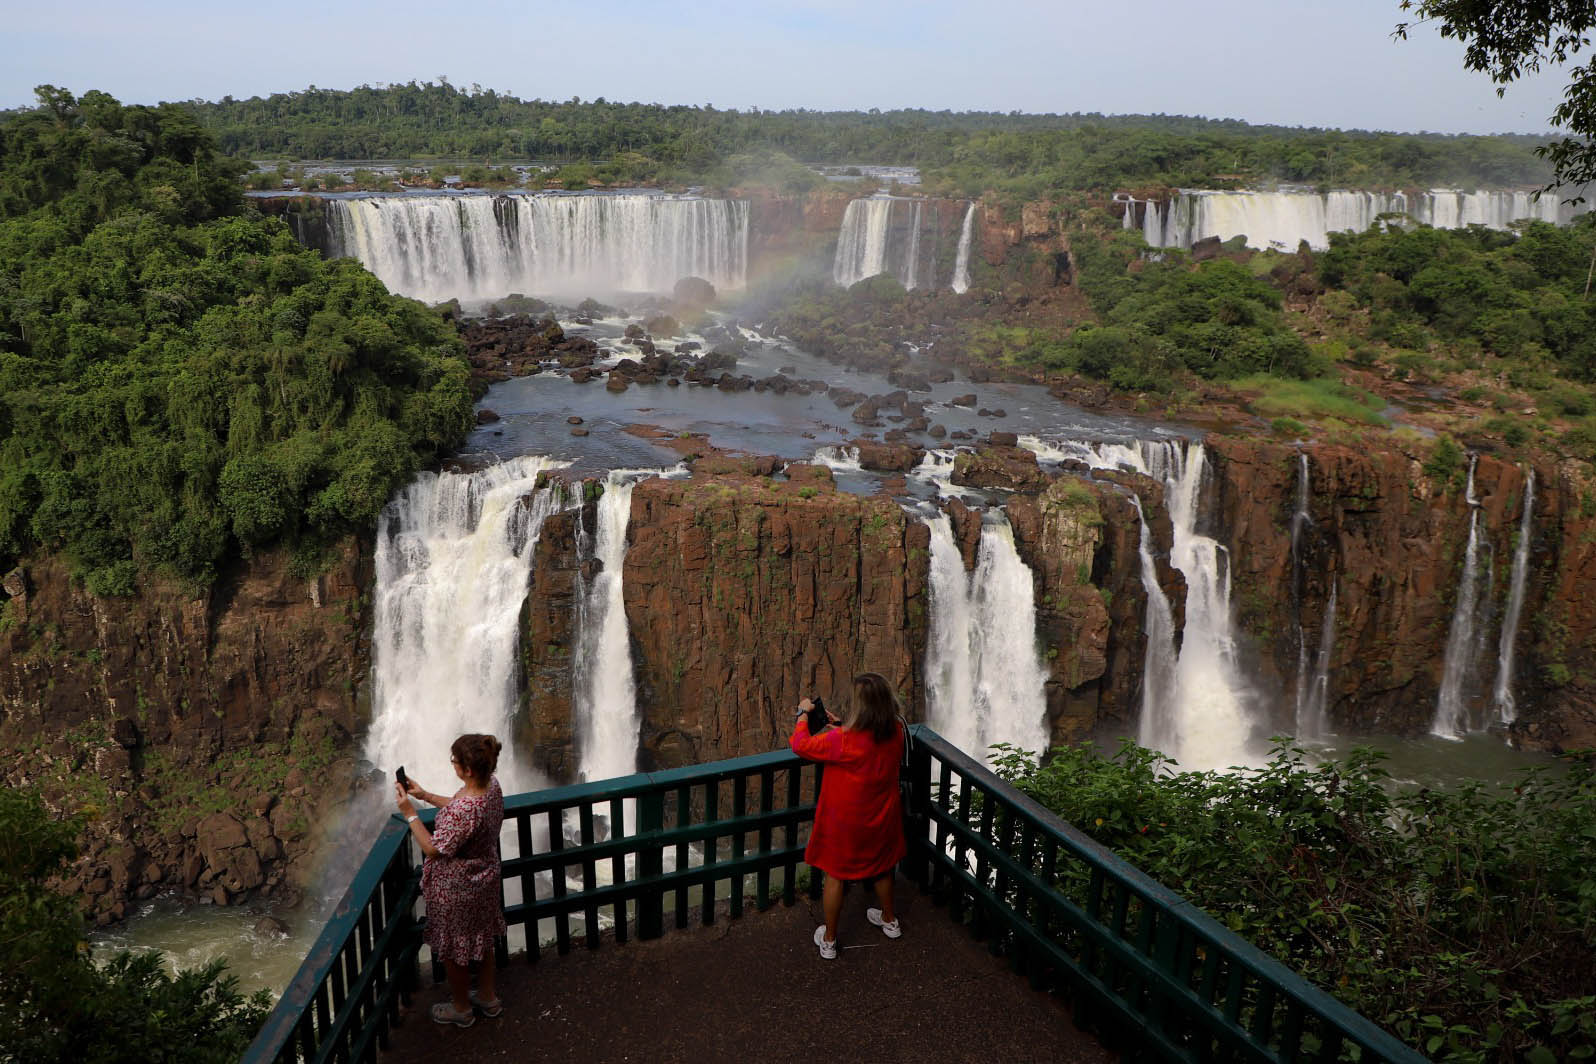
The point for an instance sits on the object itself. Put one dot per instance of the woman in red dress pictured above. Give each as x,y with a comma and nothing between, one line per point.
858,829
460,880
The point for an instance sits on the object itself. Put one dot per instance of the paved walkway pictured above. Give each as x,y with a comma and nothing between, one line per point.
755,989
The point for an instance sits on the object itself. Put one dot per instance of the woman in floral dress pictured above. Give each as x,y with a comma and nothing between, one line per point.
460,880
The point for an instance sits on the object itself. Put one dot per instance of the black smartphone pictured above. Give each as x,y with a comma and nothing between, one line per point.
817,715
399,774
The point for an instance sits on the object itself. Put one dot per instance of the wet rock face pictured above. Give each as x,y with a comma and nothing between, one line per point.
744,594
501,348
1390,538
1004,468
145,707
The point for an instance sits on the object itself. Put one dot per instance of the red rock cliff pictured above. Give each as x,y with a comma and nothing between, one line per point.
201,734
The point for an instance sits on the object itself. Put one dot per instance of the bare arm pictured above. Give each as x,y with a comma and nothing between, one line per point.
417,828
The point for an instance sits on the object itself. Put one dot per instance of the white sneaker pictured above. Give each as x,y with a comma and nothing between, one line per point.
891,930
828,950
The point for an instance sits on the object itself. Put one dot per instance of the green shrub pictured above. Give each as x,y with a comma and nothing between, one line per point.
1428,910
56,1004
1446,460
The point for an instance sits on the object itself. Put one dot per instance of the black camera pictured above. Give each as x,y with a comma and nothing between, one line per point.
818,718
399,774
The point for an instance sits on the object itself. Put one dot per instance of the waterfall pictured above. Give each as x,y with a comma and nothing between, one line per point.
1506,708
1159,660
1283,219
1452,716
1301,521
862,243
480,248
453,560
604,692
1152,224
1208,718
961,261
984,678
880,234
911,273
1128,221
1313,715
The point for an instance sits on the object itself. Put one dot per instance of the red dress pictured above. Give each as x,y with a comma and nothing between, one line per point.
858,829
461,884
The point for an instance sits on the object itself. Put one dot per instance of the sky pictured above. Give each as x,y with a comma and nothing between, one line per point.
1289,62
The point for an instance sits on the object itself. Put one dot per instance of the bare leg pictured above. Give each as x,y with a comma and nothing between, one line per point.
459,985
487,991
884,888
831,903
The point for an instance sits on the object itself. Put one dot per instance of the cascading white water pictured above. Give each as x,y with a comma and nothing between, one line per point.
1313,714
1153,224
880,234
1158,729
1210,715
911,270
1283,219
862,242
604,689
1506,707
1214,720
1452,716
984,677
961,260
476,248
453,558
1301,521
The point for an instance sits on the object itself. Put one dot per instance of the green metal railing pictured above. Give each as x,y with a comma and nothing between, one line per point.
614,855
1157,976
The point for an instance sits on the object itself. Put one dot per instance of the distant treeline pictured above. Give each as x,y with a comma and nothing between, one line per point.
968,152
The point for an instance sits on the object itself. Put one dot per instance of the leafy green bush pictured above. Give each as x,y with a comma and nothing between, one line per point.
57,1005
1446,460
1217,319
1437,913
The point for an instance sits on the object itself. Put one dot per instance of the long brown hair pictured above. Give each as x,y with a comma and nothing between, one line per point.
875,706
477,754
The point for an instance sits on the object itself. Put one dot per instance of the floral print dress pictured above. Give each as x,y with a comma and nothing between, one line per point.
461,884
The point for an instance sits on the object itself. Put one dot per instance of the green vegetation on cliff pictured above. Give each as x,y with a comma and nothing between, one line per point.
58,1005
1463,919
180,381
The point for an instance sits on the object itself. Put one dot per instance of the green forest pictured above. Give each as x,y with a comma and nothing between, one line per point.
180,381
964,153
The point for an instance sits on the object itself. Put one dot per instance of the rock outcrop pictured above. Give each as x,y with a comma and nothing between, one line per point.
1390,537
204,737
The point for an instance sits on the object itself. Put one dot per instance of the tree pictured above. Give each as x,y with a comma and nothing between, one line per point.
1507,39
58,1004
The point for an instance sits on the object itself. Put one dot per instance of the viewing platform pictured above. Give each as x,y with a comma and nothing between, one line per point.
1016,926
756,989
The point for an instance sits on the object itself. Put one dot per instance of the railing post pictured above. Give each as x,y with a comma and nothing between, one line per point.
916,813
650,864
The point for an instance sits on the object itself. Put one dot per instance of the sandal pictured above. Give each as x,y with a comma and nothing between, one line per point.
443,1012
489,1009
